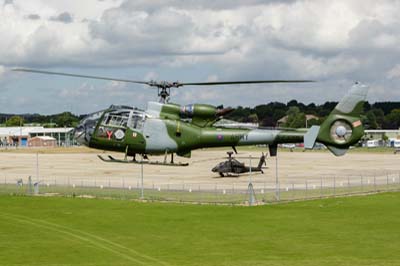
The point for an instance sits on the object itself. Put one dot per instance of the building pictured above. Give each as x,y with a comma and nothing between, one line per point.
371,134
381,137
20,136
63,136
15,136
42,141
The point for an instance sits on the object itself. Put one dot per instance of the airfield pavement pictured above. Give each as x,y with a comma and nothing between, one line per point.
81,166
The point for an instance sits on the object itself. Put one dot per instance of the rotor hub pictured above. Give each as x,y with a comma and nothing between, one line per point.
341,131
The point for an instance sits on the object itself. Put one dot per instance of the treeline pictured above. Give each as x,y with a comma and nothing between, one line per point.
380,115
65,119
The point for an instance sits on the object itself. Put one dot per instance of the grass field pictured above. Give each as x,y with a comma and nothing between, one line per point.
70,231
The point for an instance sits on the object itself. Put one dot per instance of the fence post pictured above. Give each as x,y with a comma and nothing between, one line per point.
399,178
334,186
387,181
362,184
215,192
320,190
348,184
306,190
293,194
279,191
375,183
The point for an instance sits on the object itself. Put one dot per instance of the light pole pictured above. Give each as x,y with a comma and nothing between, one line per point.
277,193
141,179
37,167
250,189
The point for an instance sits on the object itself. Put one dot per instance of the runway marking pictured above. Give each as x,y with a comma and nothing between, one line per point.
90,238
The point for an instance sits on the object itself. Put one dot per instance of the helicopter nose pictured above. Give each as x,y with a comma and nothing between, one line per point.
84,131
79,135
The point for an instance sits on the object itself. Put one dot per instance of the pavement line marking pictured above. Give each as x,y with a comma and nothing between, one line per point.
97,244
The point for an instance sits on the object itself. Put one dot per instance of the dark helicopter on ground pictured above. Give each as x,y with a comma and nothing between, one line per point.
234,167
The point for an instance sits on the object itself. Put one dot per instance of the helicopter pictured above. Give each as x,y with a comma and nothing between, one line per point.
166,128
233,166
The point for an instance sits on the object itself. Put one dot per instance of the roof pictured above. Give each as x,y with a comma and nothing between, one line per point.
17,131
382,131
52,130
44,138
25,131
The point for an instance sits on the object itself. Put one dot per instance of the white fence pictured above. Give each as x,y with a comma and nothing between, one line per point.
211,192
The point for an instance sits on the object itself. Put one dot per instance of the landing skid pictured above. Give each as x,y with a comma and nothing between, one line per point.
114,160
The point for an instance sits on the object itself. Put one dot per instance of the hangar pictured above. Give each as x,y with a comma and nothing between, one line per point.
20,136
382,133
381,137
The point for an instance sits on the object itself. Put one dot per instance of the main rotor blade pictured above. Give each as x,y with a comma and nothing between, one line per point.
245,82
163,84
78,76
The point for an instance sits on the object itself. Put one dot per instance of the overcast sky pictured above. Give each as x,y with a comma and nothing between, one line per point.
333,42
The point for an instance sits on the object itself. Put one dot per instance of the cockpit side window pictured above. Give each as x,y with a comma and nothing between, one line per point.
123,118
116,119
136,120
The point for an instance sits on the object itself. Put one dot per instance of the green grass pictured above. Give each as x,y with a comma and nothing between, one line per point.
71,231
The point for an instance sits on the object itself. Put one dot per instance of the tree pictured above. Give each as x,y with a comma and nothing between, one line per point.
392,120
15,121
239,114
370,120
380,116
313,122
66,119
295,118
252,118
292,103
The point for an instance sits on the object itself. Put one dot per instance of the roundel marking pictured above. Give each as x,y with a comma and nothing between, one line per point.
119,134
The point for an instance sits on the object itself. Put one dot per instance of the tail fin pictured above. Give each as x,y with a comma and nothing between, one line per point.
262,161
343,126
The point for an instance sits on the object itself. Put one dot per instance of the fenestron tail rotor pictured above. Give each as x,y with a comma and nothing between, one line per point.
341,131
164,87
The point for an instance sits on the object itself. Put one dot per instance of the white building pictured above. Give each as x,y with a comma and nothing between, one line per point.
19,136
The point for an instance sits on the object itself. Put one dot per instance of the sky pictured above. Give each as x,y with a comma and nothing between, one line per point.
335,43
